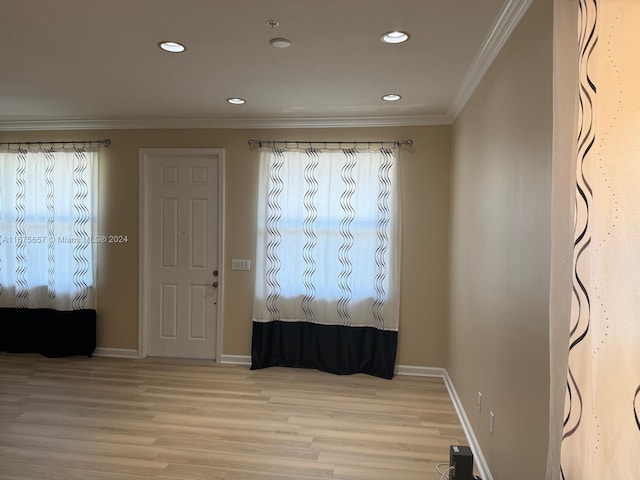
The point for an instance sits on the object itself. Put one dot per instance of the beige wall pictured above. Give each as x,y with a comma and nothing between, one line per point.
425,195
500,251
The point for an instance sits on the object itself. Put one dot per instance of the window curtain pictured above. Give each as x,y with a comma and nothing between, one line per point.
327,261
599,435
48,228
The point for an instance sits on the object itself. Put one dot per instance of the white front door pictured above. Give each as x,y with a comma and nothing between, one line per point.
180,277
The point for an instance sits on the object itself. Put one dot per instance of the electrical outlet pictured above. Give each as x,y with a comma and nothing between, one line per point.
492,422
479,402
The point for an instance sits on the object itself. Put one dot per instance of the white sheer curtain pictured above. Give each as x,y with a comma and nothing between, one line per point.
48,228
328,227
601,425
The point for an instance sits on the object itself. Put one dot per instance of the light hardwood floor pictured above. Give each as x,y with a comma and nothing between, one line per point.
98,418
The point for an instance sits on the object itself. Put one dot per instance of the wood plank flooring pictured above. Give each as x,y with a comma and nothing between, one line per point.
98,418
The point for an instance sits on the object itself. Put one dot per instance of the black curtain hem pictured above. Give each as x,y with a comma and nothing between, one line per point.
329,348
52,333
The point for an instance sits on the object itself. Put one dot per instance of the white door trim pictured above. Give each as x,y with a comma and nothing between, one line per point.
144,233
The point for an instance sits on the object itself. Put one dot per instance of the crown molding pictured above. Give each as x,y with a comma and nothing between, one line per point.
507,19
261,122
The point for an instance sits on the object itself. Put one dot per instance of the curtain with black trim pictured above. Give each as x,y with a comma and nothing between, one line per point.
327,261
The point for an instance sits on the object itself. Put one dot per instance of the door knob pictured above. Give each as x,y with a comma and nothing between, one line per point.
214,284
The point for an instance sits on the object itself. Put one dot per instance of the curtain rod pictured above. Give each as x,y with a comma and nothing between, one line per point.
106,142
269,143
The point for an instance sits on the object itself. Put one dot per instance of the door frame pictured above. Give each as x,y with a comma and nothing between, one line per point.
144,233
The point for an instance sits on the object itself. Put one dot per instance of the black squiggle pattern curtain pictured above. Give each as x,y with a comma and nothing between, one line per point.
601,431
327,261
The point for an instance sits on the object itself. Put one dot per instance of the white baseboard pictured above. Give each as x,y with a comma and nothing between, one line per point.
235,359
420,371
115,352
478,457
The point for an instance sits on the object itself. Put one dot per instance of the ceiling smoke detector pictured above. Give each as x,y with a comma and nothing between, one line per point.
280,42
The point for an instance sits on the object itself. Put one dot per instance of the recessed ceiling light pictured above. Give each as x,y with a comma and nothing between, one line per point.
236,101
280,42
391,97
395,36
172,47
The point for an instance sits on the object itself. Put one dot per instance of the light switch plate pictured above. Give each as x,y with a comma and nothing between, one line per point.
240,264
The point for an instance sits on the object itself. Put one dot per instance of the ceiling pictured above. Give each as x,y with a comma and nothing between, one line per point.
94,64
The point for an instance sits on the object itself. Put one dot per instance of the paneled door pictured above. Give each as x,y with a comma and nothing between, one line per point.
179,250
